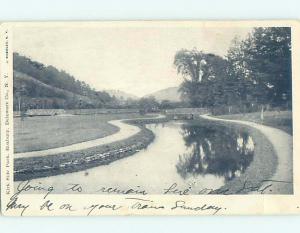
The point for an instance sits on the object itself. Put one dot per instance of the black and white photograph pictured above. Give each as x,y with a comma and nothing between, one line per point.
149,118
153,110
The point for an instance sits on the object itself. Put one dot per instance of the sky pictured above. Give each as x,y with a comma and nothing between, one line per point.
137,60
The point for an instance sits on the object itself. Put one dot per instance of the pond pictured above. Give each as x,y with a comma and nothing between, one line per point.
191,155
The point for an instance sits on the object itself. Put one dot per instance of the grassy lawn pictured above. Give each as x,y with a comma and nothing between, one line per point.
44,132
281,120
30,168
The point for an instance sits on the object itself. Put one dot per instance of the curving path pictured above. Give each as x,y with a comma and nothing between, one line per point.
126,131
283,146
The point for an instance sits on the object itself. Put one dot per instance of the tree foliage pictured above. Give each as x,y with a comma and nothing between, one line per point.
148,104
267,58
256,71
200,72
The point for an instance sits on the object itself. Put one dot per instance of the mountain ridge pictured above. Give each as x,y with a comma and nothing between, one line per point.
171,94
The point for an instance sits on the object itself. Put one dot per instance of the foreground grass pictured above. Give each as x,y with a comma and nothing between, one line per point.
30,168
45,132
281,120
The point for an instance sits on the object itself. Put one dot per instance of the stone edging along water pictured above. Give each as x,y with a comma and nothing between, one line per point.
66,161
272,164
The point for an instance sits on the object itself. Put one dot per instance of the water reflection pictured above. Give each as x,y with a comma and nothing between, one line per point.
214,150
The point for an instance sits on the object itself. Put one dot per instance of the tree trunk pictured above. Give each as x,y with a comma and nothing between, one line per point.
262,113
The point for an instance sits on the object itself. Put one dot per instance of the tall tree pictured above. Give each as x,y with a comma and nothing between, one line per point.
201,73
259,67
267,57
238,84
188,63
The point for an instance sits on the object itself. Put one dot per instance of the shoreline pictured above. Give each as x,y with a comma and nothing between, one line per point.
62,163
282,120
265,166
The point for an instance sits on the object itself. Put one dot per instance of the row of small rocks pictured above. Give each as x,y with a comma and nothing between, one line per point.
98,157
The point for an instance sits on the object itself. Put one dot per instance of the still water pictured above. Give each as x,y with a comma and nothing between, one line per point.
195,156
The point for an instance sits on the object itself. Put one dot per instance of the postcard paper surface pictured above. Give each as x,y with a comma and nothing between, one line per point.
150,118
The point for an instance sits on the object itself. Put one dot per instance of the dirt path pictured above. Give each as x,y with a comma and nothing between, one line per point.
126,131
283,146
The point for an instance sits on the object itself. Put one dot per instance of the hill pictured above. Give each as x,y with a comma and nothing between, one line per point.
172,94
40,86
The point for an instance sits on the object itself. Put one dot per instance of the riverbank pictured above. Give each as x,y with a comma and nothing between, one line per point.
278,119
36,167
261,168
271,170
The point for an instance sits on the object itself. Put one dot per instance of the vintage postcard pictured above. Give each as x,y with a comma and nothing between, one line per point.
150,118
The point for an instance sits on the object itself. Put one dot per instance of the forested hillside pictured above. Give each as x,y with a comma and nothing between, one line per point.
40,86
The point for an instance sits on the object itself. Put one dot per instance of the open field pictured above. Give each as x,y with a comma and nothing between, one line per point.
281,120
44,132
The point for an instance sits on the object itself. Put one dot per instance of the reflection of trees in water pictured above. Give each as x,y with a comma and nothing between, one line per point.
215,151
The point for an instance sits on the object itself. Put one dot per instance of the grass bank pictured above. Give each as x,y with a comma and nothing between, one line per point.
281,120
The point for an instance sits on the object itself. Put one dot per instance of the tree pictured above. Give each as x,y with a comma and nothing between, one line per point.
268,58
166,104
259,67
202,74
189,63
238,84
148,104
